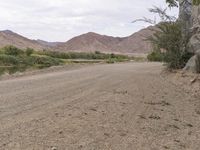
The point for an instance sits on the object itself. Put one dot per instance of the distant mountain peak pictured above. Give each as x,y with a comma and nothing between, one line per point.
90,42
91,34
49,44
8,31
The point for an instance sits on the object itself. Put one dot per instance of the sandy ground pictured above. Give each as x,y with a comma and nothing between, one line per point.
128,106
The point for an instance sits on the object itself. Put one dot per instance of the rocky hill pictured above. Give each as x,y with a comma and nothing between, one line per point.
88,42
47,44
135,43
8,37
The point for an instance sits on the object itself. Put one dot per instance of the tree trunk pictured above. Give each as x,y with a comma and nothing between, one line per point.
185,16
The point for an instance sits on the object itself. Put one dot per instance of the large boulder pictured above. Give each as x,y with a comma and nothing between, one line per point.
194,42
192,28
193,64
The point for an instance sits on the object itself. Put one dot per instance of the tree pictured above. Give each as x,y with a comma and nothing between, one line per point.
169,38
12,50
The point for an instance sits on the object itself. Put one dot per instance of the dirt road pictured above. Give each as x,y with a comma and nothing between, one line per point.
102,107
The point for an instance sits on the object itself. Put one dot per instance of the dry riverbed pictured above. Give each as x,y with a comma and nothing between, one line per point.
127,106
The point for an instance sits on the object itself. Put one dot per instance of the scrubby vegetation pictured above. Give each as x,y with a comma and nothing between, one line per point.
14,58
168,46
156,56
171,37
81,55
196,2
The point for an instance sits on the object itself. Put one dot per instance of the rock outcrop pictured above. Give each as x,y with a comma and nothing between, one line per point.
190,16
194,43
193,64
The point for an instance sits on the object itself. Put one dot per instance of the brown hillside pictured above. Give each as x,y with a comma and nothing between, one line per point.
135,43
88,42
10,38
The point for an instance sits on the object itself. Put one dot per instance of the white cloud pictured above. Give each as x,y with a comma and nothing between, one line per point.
59,20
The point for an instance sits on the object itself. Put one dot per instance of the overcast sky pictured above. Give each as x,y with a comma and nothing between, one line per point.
60,20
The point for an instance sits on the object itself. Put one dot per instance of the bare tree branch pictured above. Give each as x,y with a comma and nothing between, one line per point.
144,19
162,13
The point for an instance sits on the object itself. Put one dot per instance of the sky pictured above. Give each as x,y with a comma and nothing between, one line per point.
60,20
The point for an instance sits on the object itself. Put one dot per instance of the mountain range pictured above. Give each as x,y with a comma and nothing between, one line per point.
88,42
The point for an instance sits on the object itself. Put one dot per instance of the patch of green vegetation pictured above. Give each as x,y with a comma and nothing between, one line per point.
196,2
169,39
139,58
8,60
12,69
81,55
156,56
111,61
13,59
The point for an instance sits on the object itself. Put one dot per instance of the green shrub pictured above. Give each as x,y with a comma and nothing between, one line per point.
12,50
29,51
156,56
46,61
196,2
81,55
1,51
169,37
112,55
8,60
20,59
54,54
110,61
97,52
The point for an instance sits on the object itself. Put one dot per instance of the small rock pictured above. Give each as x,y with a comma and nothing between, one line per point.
93,109
193,80
56,114
142,116
54,148
122,134
177,141
190,125
107,134
176,120
154,117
